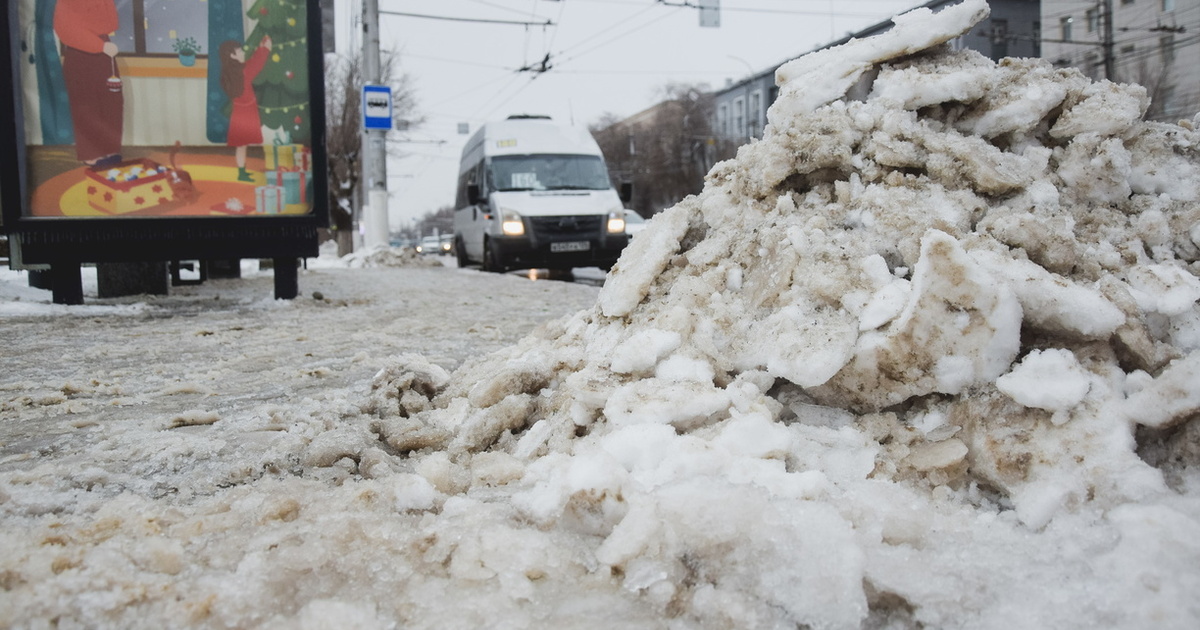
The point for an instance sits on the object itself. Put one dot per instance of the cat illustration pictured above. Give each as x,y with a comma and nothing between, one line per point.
181,180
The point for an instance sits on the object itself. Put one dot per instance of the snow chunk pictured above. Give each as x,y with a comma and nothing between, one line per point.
1107,108
1049,379
1164,289
679,403
827,75
1170,398
927,82
648,255
954,310
1053,303
643,350
1025,92
885,305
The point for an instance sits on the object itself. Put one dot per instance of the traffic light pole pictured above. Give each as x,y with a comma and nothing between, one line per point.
374,141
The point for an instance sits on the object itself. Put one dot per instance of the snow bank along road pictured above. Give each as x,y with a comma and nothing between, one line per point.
226,347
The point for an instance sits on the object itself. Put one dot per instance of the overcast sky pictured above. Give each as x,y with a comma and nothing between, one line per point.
605,56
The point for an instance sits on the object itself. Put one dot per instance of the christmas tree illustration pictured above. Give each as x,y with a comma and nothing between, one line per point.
282,87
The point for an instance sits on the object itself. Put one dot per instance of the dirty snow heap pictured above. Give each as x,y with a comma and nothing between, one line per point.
941,316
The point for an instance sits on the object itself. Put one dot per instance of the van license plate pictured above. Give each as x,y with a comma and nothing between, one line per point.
571,246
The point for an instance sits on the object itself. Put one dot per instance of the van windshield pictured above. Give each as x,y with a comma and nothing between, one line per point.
548,172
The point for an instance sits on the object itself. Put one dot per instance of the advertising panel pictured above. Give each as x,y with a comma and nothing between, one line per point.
161,130
150,108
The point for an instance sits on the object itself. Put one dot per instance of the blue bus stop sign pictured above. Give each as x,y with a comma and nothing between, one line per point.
377,107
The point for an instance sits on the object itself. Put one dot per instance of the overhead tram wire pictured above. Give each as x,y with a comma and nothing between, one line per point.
462,19
734,9
510,97
554,34
551,59
457,62
495,5
624,21
546,65
613,39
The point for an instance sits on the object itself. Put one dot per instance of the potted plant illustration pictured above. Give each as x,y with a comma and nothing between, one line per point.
187,49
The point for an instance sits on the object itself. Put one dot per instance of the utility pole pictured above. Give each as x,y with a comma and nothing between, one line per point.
374,143
1107,42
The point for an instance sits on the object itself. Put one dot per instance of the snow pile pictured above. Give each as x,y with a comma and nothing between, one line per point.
380,256
929,311
924,357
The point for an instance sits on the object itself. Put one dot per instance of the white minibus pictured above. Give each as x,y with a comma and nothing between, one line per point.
535,194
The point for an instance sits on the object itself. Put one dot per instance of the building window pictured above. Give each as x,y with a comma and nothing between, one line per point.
723,120
1166,95
1168,5
1166,47
739,117
1093,20
1065,25
999,39
755,114
152,27
1092,67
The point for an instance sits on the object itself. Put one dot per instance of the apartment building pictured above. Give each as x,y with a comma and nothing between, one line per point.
1155,43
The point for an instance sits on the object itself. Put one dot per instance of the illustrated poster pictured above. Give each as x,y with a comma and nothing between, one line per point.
166,108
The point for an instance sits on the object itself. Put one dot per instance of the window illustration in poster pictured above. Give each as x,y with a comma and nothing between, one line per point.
166,108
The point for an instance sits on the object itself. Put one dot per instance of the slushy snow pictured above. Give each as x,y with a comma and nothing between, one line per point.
925,356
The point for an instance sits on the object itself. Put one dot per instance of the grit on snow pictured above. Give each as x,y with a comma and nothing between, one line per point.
926,356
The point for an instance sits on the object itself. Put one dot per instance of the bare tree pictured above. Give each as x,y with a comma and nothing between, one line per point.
441,220
664,151
343,104
1166,104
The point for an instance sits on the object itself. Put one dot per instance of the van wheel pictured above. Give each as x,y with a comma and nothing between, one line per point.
491,258
460,252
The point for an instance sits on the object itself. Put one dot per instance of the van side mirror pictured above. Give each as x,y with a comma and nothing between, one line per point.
473,196
626,192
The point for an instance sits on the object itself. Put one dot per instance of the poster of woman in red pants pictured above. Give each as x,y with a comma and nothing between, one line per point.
93,83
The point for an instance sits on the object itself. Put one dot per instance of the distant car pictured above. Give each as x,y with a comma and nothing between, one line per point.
436,245
634,223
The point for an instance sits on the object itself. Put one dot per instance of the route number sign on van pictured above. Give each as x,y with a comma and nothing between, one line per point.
377,107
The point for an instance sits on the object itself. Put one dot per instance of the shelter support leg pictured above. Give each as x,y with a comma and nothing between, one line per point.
287,284
68,283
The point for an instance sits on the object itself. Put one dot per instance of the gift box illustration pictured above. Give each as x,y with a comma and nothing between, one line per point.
294,182
129,186
286,156
268,199
303,158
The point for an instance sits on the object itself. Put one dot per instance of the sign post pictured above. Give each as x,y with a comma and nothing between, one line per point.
377,107
377,103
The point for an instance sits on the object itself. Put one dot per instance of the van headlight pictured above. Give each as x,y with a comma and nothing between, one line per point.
616,221
511,223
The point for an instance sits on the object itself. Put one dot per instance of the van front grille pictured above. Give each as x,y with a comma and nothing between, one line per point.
559,228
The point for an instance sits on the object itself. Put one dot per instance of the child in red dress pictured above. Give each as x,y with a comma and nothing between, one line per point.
237,76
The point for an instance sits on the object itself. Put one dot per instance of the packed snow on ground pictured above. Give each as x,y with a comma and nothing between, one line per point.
924,356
